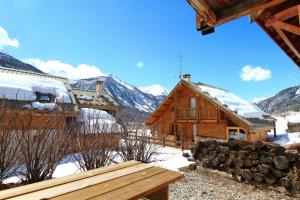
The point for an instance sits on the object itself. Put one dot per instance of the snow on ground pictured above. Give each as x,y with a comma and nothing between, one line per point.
24,87
234,103
172,159
283,137
169,158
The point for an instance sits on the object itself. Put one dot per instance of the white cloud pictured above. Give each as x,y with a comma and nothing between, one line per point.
59,68
250,73
5,40
140,64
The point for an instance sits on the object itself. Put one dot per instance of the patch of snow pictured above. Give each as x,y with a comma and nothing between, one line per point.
155,90
43,106
98,120
168,158
24,87
283,137
85,97
233,102
297,92
171,158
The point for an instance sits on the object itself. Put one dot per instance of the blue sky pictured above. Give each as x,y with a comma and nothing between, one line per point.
140,42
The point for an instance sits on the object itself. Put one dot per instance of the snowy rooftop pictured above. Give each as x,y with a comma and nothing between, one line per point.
232,101
18,86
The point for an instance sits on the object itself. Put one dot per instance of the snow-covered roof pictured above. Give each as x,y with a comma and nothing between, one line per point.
18,86
233,102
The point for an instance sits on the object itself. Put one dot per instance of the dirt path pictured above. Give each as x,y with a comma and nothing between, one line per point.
208,184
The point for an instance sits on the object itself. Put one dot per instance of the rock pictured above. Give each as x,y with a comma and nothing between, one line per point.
253,155
247,174
242,154
259,144
258,177
185,154
277,173
221,157
238,162
270,179
191,159
279,150
248,162
193,166
232,155
281,162
291,156
264,169
263,160
233,144
284,182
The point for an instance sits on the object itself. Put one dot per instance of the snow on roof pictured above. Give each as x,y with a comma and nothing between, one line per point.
233,102
293,117
24,87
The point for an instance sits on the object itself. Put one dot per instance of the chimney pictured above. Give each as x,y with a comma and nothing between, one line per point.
187,77
99,86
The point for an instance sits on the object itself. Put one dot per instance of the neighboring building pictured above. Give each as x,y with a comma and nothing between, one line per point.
195,110
293,127
40,93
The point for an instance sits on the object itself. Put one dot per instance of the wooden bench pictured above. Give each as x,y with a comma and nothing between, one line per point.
129,180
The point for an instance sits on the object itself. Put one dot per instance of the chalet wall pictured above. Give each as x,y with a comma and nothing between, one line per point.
258,135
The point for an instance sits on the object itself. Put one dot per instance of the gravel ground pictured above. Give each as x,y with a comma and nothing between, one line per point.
210,184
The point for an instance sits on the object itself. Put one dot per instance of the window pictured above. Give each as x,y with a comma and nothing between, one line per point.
237,133
193,102
243,135
233,133
45,97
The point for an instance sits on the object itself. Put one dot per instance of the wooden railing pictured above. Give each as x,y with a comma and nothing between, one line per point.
187,114
195,114
208,113
164,141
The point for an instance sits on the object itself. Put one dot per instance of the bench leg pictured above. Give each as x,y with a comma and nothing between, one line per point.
162,194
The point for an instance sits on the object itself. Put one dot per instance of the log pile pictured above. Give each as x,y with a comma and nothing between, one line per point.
259,162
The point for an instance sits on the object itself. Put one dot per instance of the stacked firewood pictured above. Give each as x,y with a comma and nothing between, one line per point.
259,162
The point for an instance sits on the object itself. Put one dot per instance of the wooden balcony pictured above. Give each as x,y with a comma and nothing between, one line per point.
208,114
203,114
187,114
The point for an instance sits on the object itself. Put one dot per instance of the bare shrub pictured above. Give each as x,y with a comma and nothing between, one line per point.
96,142
293,178
137,145
43,145
9,143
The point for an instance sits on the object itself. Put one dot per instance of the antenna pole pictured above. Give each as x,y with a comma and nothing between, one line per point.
180,66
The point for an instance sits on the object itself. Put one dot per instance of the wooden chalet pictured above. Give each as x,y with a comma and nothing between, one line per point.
293,127
39,96
280,19
193,111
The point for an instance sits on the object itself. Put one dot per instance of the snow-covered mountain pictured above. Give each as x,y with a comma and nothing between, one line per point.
286,100
126,95
156,90
8,61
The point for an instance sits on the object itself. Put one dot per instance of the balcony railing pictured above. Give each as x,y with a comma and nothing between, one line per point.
195,114
187,114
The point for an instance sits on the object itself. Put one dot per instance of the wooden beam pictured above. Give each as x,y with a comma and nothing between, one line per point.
207,13
198,19
288,27
299,13
245,8
282,16
287,41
